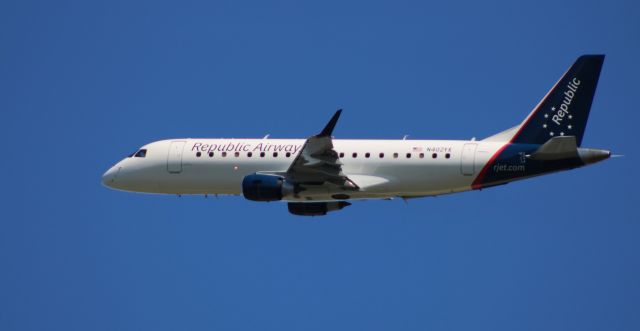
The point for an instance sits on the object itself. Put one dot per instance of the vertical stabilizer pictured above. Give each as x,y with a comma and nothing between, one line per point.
565,109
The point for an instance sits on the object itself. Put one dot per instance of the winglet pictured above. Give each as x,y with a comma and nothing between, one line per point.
328,129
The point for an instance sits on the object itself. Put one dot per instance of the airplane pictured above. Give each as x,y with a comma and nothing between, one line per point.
321,174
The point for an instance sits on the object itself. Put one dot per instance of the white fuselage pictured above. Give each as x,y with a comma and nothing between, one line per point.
319,174
381,168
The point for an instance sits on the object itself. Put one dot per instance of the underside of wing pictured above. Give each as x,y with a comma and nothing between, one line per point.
318,163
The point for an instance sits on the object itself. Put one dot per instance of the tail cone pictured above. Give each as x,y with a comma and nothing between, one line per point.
591,155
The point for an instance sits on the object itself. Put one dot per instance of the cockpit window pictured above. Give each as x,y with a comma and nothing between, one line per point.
141,153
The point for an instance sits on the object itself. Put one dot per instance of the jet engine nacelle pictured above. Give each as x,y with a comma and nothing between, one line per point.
262,187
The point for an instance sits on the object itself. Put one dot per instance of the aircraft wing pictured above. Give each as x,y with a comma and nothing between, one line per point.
318,162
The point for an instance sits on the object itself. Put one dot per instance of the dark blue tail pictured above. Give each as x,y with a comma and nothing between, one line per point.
565,109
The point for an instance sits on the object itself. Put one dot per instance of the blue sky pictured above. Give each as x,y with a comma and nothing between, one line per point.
83,83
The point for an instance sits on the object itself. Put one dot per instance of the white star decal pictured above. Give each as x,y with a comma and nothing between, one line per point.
551,133
553,108
569,126
544,125
570,116
562,133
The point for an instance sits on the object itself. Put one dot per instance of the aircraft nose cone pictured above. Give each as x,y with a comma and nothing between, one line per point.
109,177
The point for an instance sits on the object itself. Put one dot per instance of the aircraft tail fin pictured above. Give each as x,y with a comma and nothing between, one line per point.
565,109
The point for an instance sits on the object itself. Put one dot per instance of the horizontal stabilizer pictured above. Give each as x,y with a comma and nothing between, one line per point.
557,148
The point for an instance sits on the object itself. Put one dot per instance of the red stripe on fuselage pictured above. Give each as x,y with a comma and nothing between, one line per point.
477,183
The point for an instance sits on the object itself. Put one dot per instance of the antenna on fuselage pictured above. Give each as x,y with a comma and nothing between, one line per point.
405,137
267,136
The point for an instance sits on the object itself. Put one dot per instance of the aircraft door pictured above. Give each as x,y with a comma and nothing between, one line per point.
174,158
468,159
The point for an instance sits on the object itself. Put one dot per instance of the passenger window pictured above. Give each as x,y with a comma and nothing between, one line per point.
395,155
197,154
275,154
354,155
381,155
408,155
224,154
261,154
236,154
249,154
367,155
434,155
143,153
210,154
422,155
341,155
288,154
447,156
